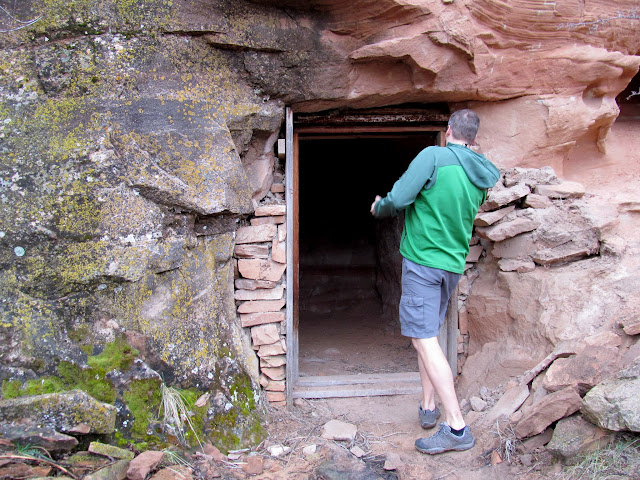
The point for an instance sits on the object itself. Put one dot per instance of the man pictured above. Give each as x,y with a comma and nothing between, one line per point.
440,192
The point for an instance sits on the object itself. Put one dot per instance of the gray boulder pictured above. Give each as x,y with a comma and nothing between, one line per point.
615,404
574,436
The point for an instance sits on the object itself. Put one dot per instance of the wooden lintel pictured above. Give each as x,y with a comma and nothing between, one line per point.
371,129
380,117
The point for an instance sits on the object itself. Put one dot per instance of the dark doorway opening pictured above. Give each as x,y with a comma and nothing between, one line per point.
349,265
629,100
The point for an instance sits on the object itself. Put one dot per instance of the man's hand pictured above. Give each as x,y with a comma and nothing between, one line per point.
373,205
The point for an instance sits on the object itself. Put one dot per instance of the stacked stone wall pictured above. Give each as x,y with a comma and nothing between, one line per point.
260,284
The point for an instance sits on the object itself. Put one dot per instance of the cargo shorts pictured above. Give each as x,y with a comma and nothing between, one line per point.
425,298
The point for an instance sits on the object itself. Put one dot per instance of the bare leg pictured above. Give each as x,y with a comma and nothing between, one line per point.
440,377
428,393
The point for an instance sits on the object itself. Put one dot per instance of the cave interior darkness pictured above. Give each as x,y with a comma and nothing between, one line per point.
342,330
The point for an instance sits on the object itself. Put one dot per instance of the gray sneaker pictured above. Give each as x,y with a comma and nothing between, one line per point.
444,440
428,418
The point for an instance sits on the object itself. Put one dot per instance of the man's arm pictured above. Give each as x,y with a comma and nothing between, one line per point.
406,189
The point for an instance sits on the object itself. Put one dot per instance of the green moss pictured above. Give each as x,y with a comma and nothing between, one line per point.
14,388
11,389
44,385
117,355
241,426
87,349
143,399
194,433
91,380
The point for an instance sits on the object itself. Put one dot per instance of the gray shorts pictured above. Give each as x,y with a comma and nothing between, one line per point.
425,298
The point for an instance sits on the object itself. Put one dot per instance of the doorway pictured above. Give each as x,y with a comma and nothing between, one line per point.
345,338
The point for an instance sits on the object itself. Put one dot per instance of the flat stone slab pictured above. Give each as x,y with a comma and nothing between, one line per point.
502,231
110,451
508,403
500,198
562,190
485,219
552,407
45,437
339,430
62,411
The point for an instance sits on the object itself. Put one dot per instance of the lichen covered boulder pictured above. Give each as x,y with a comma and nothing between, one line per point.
63,411
615,404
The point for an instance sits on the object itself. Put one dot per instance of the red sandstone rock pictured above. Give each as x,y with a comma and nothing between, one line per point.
508,403
275,396
254,466
536,201
257,269
274,385
501,198
507,229
256,234
279,252
260,294
143,464
174,472
214,452
261,306
248,284
265,334
485,219
562,190
260,318
274,373
553,407
251,251
583,370
516,265
277,348
273,361
631,326
474,253
268,220
271,210
463,321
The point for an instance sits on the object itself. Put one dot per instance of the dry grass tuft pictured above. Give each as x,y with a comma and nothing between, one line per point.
621,459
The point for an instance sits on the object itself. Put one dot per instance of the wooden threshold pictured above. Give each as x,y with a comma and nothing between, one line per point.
364,385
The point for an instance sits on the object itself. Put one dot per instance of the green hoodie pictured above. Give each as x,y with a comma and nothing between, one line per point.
441,192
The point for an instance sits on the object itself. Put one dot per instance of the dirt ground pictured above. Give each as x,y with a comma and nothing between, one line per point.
386,426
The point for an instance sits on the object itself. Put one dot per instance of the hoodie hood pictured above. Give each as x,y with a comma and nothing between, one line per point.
480,171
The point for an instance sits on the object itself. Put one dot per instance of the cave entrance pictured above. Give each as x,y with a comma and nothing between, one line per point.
343,281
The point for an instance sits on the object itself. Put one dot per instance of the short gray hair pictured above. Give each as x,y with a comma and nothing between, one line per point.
464,125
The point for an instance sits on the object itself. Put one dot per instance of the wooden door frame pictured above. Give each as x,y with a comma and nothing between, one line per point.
382,384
